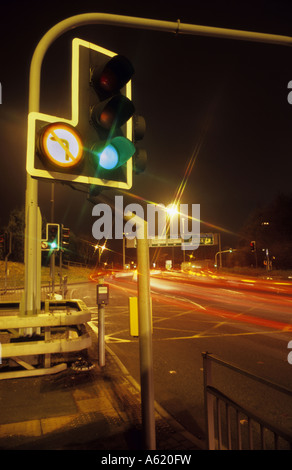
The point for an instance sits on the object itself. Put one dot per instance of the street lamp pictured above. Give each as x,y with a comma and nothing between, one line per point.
172,212
100,249
231,250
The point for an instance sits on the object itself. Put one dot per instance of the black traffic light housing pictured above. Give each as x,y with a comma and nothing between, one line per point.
252,246
53,237
105,111
65,237
140,157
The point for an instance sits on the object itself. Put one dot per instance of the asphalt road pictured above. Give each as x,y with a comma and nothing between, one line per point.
242,321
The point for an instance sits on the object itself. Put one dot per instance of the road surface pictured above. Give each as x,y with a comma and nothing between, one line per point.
240,320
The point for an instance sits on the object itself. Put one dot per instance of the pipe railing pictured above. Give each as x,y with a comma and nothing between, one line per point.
225,433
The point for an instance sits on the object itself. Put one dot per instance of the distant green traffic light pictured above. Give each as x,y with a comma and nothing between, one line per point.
53,236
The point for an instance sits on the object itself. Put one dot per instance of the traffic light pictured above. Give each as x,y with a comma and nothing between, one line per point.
96,146
252,246
65,237
109,145
140,156
53,237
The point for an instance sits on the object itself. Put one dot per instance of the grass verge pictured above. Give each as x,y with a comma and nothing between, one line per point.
15,274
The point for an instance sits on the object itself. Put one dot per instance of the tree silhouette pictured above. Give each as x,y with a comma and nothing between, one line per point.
271,228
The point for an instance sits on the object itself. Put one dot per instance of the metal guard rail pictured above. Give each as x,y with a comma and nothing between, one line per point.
210,392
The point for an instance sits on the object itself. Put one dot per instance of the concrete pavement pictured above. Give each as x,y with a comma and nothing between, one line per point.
98,409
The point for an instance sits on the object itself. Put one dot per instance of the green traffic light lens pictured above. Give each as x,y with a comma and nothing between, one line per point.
115,153
109,158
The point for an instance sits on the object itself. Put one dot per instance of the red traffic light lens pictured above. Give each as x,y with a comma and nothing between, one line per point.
106,118
114,76
114,111
108,80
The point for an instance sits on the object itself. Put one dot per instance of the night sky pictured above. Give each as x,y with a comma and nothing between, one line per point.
228,98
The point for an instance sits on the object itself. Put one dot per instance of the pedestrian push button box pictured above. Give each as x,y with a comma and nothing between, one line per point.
102,294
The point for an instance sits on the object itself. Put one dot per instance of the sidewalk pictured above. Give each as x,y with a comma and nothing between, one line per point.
97,409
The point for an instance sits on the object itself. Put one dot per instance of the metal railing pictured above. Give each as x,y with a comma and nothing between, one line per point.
225,417
14,290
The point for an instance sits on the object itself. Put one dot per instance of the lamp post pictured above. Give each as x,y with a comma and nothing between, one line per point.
100,249
231,250
172,212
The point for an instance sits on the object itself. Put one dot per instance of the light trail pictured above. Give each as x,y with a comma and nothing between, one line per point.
189,304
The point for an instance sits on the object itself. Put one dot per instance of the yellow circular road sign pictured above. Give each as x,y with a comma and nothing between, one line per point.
61,145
